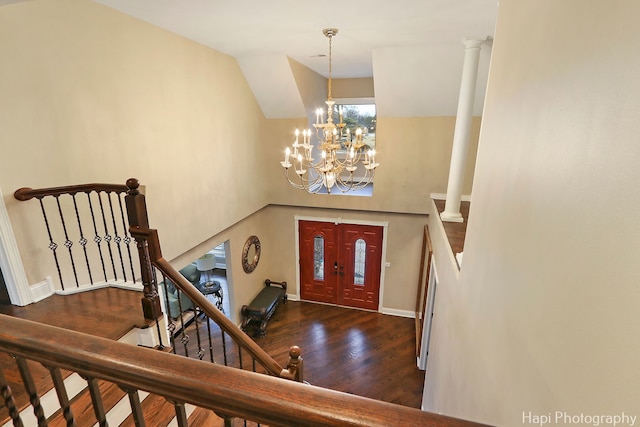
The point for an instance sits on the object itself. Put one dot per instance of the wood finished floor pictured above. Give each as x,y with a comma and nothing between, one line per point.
107,313
359,352
456,231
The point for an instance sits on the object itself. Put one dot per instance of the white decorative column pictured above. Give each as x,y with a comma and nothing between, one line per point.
462,131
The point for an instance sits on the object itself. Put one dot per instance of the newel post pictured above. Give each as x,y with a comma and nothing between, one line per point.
296,364
148,247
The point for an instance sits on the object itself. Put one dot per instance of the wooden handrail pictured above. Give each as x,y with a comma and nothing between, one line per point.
230,328
25,193
155,254
228,391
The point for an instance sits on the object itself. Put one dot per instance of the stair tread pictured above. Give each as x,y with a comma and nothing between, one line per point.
82,406
205,417
157,412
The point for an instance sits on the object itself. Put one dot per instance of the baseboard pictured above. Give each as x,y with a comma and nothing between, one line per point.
86,288
42,290
399,313
293,297
443,196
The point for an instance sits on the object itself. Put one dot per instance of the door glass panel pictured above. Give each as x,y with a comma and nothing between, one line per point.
358,270
318,258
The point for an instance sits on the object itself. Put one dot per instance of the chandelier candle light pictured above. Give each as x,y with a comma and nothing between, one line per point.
341,151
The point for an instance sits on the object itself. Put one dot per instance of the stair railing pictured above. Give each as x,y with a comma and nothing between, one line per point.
89,222
104,210
152,262
227,391
205,310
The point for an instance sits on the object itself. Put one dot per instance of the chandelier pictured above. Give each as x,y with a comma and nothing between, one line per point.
346,163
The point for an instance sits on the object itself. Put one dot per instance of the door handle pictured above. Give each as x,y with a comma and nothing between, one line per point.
335,267
341,270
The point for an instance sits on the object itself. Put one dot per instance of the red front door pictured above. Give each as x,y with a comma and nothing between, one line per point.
340,263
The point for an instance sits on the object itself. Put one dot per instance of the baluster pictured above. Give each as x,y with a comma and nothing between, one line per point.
63,397
160,344
197,310
171,327
96,400
30,387
83,240
9,402
181,413
67,243
116,237
52,245
127,238
96,237
107,236
185,337
136,407
224,347
211,358
239,354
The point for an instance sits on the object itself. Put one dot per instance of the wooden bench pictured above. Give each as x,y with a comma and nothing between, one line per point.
264,305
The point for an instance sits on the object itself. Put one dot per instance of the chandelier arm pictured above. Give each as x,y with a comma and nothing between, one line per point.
300,183
342,153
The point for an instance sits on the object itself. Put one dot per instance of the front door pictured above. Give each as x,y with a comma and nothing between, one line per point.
340,263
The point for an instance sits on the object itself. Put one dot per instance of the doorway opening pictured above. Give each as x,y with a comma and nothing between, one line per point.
341,263
216,271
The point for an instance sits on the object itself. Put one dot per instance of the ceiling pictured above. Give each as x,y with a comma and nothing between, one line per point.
413,49
293,28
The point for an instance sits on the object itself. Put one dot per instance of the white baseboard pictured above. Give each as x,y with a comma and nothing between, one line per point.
443,196
396,312
99,285
42,290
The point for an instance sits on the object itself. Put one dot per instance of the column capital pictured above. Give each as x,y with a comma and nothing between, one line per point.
472,43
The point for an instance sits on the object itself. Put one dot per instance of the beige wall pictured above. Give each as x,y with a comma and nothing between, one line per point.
275,227
403,248
244,286
414,153
353,88
92,95
544,315
312,87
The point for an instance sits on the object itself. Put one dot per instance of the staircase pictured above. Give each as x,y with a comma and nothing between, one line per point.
156,410
111,383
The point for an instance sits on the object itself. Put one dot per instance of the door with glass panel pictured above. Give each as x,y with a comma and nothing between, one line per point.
340,263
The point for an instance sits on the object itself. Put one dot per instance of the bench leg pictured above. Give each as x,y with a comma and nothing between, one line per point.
263,328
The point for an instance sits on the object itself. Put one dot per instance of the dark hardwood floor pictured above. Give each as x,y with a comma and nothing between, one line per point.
108,312
456,231
359,352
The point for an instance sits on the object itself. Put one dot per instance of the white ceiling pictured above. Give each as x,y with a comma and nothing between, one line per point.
294,27
412,48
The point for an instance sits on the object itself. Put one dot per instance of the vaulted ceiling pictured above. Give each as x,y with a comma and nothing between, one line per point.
412,48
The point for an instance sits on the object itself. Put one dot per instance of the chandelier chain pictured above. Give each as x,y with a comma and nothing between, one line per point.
330,67
347,162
